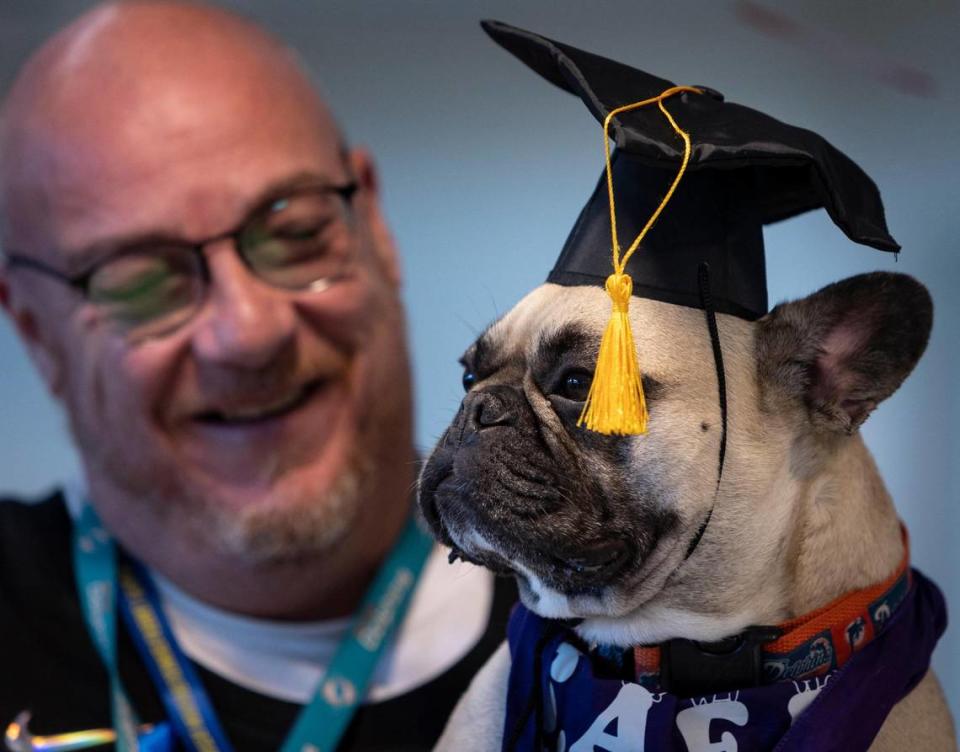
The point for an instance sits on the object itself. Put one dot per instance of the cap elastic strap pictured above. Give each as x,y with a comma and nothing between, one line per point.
706,300
615,403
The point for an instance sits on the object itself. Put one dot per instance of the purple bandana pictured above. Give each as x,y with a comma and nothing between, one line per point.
579,706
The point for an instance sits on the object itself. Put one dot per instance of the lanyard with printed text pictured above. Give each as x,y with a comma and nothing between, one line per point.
95,568
342,688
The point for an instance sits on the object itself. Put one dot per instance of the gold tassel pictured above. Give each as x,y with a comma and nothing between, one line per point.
615,403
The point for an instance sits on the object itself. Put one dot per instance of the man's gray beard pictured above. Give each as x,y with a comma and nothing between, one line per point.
260,534
267,534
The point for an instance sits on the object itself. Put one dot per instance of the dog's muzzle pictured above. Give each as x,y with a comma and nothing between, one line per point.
496,493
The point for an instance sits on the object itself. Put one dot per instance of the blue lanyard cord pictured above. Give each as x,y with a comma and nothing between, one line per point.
183,695
320,725
95,569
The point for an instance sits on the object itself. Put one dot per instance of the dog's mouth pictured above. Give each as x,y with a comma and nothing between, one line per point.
599,562
569,567
488,559
602,559
481,556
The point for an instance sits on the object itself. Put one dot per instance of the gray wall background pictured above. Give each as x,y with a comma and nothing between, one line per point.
485,168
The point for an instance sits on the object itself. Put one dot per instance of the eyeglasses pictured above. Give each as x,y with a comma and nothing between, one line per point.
301,241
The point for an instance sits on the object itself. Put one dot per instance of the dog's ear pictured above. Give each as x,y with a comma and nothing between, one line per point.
844,349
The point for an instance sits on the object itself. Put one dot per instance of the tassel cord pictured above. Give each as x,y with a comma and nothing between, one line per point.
619,264
615,403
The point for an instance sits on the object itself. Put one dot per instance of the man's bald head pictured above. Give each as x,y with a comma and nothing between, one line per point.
120,71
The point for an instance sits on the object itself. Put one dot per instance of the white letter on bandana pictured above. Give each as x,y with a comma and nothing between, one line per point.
565,662
804,696
628,713
694,724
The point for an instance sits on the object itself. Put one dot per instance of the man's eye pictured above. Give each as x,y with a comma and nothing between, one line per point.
306,230
575,385
469,379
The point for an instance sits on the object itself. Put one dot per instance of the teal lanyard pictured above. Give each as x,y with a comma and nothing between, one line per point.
95,568
342,688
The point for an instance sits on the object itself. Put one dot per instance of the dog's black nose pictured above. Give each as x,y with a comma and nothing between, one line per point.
486,408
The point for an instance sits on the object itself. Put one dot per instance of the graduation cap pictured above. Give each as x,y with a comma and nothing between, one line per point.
740,169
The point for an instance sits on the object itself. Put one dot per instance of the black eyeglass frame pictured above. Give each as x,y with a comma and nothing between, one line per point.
81,282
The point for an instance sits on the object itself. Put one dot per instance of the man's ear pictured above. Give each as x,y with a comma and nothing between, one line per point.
844,349
365,172
24,321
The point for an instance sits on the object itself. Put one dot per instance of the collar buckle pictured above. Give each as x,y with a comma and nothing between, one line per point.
689,668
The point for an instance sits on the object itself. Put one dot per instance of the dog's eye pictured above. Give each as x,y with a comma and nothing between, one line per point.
575,384
469,379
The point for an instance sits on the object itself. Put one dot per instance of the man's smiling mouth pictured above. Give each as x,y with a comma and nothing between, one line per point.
250,412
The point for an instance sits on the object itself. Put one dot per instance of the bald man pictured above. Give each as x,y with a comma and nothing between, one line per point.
201,273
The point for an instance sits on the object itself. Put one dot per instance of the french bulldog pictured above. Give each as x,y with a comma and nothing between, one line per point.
633,536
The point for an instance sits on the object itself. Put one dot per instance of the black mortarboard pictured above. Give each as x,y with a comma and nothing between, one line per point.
746,170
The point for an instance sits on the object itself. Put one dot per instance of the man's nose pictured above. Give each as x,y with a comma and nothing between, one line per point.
247,322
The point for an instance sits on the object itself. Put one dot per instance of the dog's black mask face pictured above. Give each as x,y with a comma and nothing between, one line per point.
502,490
514,484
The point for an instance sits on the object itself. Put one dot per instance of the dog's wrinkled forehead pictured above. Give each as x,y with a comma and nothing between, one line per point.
554,319
549,318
